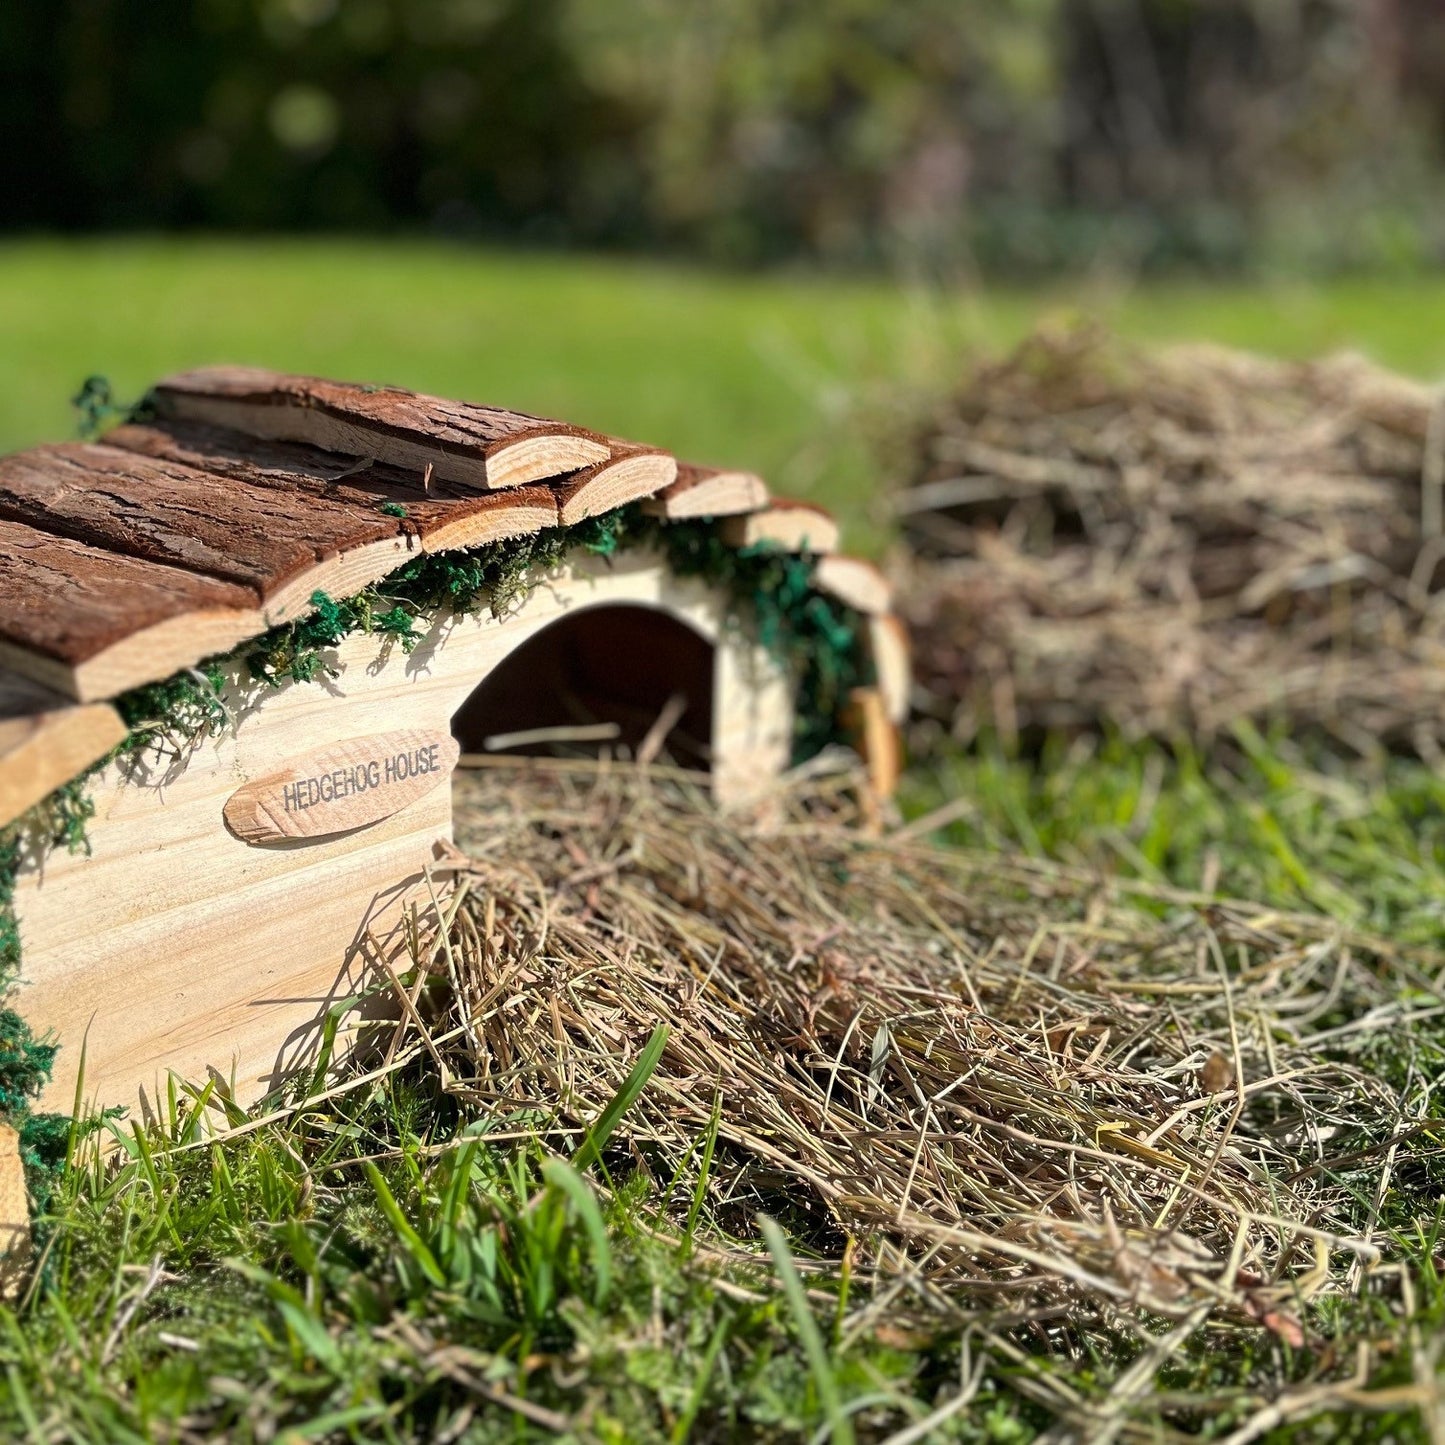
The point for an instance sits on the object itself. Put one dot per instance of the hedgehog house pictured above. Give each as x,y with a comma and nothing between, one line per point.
246,636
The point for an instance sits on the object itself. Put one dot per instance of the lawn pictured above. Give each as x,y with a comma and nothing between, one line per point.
753,371
371,1266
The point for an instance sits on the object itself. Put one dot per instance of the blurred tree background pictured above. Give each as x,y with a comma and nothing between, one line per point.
1007,135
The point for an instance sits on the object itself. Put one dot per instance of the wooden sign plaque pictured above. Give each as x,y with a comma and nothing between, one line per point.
342,786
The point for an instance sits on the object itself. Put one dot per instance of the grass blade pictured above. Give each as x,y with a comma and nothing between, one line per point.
415,1245
564,1177
590,1150
840,1426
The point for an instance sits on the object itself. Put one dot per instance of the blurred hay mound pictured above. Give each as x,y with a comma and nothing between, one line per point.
1015,1088
1171,543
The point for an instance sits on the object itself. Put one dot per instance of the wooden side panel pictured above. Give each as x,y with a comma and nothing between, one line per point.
14,1217
176,945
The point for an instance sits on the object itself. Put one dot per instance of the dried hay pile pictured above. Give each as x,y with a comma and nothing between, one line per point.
1033,1100
1174,542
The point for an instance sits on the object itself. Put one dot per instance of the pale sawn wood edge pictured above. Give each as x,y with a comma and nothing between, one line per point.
708,492
876,738
789,526
628,477
889,647
854,582
46,750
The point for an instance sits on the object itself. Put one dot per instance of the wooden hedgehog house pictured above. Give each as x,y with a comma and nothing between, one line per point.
245,636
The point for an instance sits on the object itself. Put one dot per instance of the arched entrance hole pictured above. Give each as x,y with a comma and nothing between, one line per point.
602,679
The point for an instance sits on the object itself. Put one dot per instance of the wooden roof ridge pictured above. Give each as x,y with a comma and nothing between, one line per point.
463,442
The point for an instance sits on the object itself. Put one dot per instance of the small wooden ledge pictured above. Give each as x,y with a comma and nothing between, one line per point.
630,475
789,526
708,492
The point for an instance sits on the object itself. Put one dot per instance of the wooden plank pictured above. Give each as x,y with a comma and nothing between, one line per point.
633,474
790,526
889,647
876,739
282,545
855,583
90,623
488,517
46,741
443,515
14,1217
473,445
708,492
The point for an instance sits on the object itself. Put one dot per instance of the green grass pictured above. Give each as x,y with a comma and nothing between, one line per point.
382,1265
1266,819
377,1267
753,371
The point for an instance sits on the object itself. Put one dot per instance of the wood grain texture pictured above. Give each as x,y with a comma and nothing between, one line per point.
45,742
790,526
708,492
14,1217
267,539
892,663
82,620
488,517
342,786
143,558
179,946
473,445
855,583
629,476
441,514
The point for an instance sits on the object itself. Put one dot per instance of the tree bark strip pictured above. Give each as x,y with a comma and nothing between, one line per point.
162,511
68,601
461,442
441,514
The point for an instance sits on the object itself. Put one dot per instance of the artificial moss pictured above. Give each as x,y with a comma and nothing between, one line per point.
818,639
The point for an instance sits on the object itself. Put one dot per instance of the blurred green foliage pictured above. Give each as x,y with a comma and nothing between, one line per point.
1020,134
